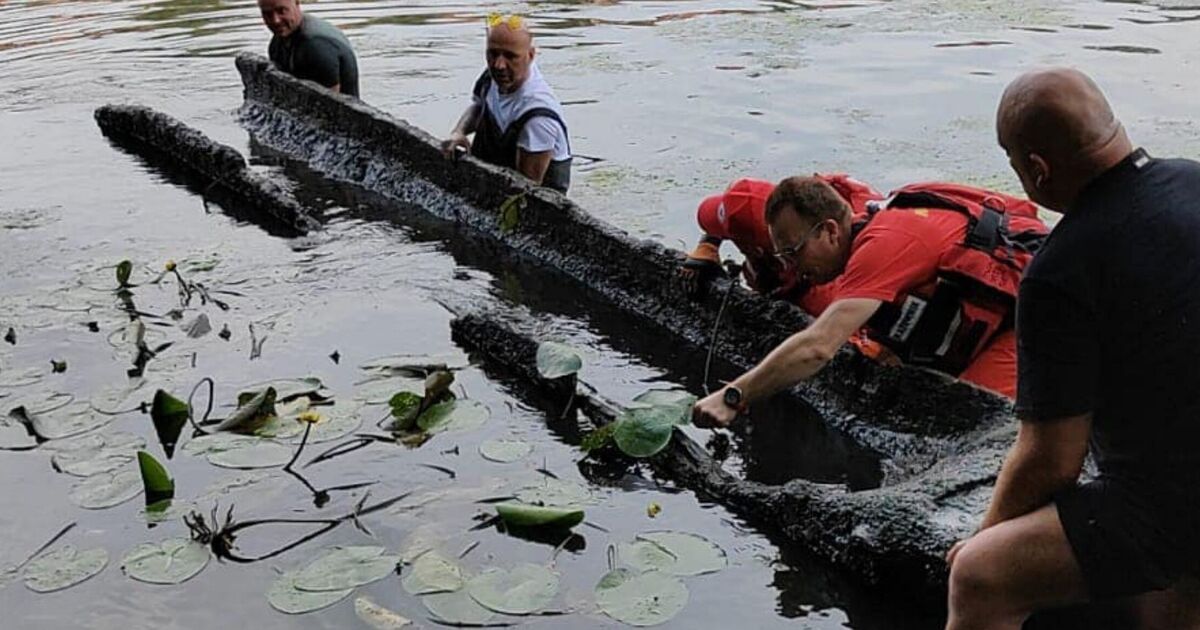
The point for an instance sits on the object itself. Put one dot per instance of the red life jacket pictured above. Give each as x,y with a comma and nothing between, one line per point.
977,280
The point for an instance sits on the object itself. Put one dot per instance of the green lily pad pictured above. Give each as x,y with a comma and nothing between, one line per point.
644,431
119,399
685,554
599,438
14,436
524,590
289,388
254,408
555,493
346,567
377,616
171,561
22,378
457,607
556,360
218,442
676,399
505,451
39,402
453,416
521,515
286,598
63,568
646,599
405,407
432,573
156,482
106,489
425,538
169,415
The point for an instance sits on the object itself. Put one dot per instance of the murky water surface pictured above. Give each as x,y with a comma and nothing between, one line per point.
670,99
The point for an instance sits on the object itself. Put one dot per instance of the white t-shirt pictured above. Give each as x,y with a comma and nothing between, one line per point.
541,133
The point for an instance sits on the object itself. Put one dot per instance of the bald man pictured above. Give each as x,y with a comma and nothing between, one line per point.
1108,328
517,121
308,47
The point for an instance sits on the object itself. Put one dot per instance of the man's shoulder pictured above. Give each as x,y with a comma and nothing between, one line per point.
319,32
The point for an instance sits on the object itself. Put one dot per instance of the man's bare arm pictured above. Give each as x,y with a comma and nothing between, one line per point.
534,165
467,124
1046,459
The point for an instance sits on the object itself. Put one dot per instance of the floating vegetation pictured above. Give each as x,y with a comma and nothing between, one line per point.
505,451
64,568
645,599
106,489
285,597
171,561
556,360
523,590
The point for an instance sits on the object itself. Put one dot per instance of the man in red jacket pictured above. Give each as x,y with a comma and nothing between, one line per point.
931,273
737,215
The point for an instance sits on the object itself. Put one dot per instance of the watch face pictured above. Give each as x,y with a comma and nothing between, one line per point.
733,396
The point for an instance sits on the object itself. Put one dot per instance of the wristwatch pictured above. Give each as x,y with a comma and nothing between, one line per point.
732,397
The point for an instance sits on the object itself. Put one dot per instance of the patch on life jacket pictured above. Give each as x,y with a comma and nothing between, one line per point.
910,315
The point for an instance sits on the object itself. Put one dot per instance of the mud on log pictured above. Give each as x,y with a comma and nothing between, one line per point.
910,415
156,135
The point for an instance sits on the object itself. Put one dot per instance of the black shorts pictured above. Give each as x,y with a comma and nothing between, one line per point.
1129,540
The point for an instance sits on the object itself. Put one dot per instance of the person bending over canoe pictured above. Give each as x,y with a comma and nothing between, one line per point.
308,47
517,121
931,273
1108,332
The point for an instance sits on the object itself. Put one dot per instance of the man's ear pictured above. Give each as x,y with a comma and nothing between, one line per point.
532,52
1039,171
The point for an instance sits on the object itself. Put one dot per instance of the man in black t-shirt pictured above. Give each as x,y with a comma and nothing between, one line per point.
307,47
1108,329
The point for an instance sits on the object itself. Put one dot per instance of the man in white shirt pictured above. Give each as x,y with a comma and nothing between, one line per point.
517,121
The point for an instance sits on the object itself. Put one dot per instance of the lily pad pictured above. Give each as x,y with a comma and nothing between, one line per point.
285,424
556,360
261,453
346,567
453,416
254,408
289,388
415,364
337,424
555,493
432,573
156,482
524,590
405,407
106,489
14,436
286,598
379,391
119,399
218,442
689,554
521,515
457,608
22,378
171,561
377,616
92,454
672,398
69,421
644,431
39,402
64,568
646,599
505,451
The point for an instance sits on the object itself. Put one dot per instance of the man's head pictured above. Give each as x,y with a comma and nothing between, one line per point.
810,227
283,17
1059,133
510,51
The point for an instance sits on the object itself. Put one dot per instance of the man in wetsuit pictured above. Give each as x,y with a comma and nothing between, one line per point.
308,47
517,121
1108,331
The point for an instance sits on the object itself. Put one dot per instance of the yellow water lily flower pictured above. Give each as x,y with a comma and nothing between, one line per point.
310,416
170,266
653,509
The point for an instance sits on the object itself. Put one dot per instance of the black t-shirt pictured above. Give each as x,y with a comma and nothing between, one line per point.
317,51
1108,321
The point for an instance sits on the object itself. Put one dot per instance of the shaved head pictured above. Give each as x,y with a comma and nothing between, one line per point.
1059,132
510,53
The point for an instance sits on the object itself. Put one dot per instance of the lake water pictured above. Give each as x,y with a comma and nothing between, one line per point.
669,99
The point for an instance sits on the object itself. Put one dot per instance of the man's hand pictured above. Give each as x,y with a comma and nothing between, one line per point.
711,412
700,267
457,140
953,553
